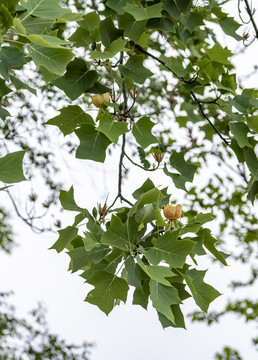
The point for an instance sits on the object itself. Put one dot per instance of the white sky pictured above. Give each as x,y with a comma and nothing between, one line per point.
38,274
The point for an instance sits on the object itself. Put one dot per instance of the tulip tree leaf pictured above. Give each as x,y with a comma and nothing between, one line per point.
53,59
251,161
142,132
169,249
65,237
186,169
119,235
218,54
67,200
80,257
203,293
209,242
134,69
163,297
11,167
93,143
108,289
108,32
252,122
144,13
240,131
156,273
70,118
77,79
48,9
111,128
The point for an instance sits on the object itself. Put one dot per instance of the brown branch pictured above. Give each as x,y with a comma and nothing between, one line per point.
250,13
141,167
199,103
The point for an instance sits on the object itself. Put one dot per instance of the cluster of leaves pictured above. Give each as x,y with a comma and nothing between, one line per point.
195,79
125,251
31,339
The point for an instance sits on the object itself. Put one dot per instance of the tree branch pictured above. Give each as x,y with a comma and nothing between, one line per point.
250,13
199,103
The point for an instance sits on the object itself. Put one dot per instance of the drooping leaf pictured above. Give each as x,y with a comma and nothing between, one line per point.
163,297
11,167
70,118
251,161
108,289
252,122
10,58
142,132
135,274
115,47
93,144
240,131
178,318
108,32
209,242
203,293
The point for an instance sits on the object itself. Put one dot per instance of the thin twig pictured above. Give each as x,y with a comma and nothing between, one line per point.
199,103
250,13
138,165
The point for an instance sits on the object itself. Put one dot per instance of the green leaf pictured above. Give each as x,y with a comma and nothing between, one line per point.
178,180
251,162
80,257
171,7
140,13
218,54
184,5
4,90
46,40
142,297
65,237
115,47
135,274
132,29
93,144
156,273
163,297
10,4
178,318
116,5
252,122
108,289
10,58
67,200
48,9
70,118
77,79
203,293
146,186
164,24
11,167
111,128
192,20
120,235
81,37
209,242
134,69
230,26
240,130
149,197
146,214
196,223
178,162
6,19
21,85
108,32
53,59
142,132
169,249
